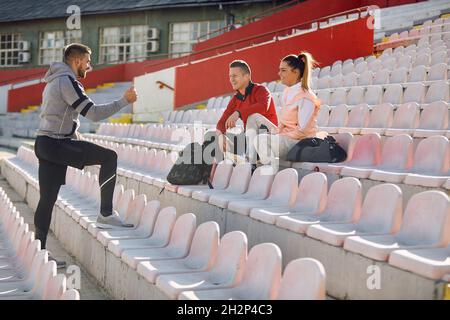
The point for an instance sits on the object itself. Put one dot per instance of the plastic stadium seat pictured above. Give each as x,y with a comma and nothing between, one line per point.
422,59
382,76
431,162
404,62
347,62
315,72
258,188
219,181
314,83
271,86
393,94
381,213
355,95
323,83
239,180
260,281
413,233
438,91
336,68
446,184
396,159
338,118
311,199
202,254
438,57
55,287
34,286
437,72
159,238
143,230
370,58
433,120
375,65
350,79
365,157
323,115
380,118
324,96
406,119
339,96
303,279
177,246
179,116
218,103
373,95
71,294
135,209
337,81
358,60
418,74
358,118
365,77
210,104
343,205
225,102
348,68
283,192
324,72
430,263
225,272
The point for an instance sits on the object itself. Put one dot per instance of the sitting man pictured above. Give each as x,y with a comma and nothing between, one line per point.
254,105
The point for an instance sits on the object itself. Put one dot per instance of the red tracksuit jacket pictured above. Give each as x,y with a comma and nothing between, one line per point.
257,99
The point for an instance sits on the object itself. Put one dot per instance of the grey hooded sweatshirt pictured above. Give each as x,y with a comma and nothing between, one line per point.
64,99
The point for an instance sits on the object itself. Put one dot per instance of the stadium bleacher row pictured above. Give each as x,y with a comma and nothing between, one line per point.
163,244
26,273
394,159
307,208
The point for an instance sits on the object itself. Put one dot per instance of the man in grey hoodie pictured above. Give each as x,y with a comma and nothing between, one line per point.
58,145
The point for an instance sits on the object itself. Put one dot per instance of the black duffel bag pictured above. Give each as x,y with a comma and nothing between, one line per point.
188,170
317,150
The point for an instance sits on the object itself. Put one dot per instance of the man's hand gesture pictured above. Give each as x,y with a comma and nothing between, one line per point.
130,95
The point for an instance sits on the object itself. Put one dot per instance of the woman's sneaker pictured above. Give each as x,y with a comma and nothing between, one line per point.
110,221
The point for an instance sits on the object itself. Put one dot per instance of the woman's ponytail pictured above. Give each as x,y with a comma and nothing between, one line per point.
307,62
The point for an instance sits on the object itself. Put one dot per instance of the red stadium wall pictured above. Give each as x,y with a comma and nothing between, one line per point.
209,78
10,76
303,12
387,3
32,95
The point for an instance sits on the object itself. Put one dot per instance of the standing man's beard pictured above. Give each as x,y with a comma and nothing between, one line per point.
81,73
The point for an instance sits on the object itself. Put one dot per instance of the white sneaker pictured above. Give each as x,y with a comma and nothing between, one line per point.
113,220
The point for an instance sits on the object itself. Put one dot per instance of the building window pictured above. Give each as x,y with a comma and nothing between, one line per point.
184,35
9,49
127,43
51,44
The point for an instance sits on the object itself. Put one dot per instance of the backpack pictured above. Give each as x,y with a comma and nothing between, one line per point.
317,150
191,173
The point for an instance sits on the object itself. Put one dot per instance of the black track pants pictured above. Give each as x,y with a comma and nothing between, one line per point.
54,156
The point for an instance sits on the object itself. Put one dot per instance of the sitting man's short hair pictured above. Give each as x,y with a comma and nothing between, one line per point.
242,65
75,50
